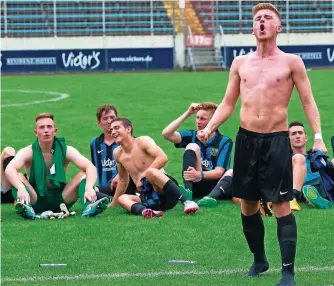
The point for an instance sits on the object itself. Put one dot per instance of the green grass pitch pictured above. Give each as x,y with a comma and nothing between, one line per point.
116,248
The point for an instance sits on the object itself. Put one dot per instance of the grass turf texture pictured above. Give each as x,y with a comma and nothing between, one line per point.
116,242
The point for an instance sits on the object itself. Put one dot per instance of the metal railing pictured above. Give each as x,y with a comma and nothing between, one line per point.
190,48
152,17
223,43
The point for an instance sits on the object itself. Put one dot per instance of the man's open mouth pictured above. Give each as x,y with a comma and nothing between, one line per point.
261,27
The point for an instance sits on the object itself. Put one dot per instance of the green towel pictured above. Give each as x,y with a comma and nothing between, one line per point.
56,174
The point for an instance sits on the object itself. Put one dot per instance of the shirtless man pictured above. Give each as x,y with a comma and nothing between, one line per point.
102,154
262,162
46,162
143,160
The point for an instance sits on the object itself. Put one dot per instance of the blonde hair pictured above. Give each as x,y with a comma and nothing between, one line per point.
207,106
266,6
44,115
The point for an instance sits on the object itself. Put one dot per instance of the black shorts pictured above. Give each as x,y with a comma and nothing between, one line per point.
262,166
7,197
203,188
162,201
130,190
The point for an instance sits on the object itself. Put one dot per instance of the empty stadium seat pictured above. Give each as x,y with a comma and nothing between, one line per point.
144,17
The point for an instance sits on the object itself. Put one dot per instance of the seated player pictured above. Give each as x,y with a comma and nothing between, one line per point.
46,161
8,155
204,164
102,153
305,183
143,160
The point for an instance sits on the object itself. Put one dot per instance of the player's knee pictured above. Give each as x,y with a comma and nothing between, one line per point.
122,199
236,201
151,173
281,209
193,146
249,207
228,173
8,152
298,160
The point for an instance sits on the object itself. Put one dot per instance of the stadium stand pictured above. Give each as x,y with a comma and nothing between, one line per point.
140,17
83,18
297,16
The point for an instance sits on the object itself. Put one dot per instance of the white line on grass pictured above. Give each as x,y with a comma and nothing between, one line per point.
61,96
224,272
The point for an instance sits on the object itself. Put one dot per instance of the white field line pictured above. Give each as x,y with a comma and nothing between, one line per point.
224,272
61,96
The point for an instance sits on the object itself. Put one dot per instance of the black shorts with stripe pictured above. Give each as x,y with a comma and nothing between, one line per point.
158,201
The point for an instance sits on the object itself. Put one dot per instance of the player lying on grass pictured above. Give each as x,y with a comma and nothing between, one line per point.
46,161
204,164
143,160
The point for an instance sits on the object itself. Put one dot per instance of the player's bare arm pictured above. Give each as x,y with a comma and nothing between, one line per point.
159,157
114,182
74,156
214,174
170,132
123,179
147,144
302,83
226,107
195,175
21,159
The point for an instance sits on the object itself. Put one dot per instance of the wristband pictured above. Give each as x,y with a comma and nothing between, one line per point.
202,175
317,136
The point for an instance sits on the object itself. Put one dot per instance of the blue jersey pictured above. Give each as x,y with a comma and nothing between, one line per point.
216,152
310,176
103,159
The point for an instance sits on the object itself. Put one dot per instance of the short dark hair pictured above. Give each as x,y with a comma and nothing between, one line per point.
105,108
297,123
126,122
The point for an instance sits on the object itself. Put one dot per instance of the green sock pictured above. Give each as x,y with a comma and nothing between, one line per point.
81,194
14,193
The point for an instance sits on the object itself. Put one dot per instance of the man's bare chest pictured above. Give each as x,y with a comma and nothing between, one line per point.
267,73
135,160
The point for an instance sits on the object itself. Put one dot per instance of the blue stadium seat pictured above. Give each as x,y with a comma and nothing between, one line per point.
85,18
36,18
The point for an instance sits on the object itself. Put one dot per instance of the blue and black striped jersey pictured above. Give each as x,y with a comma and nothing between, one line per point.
103,159
216,152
